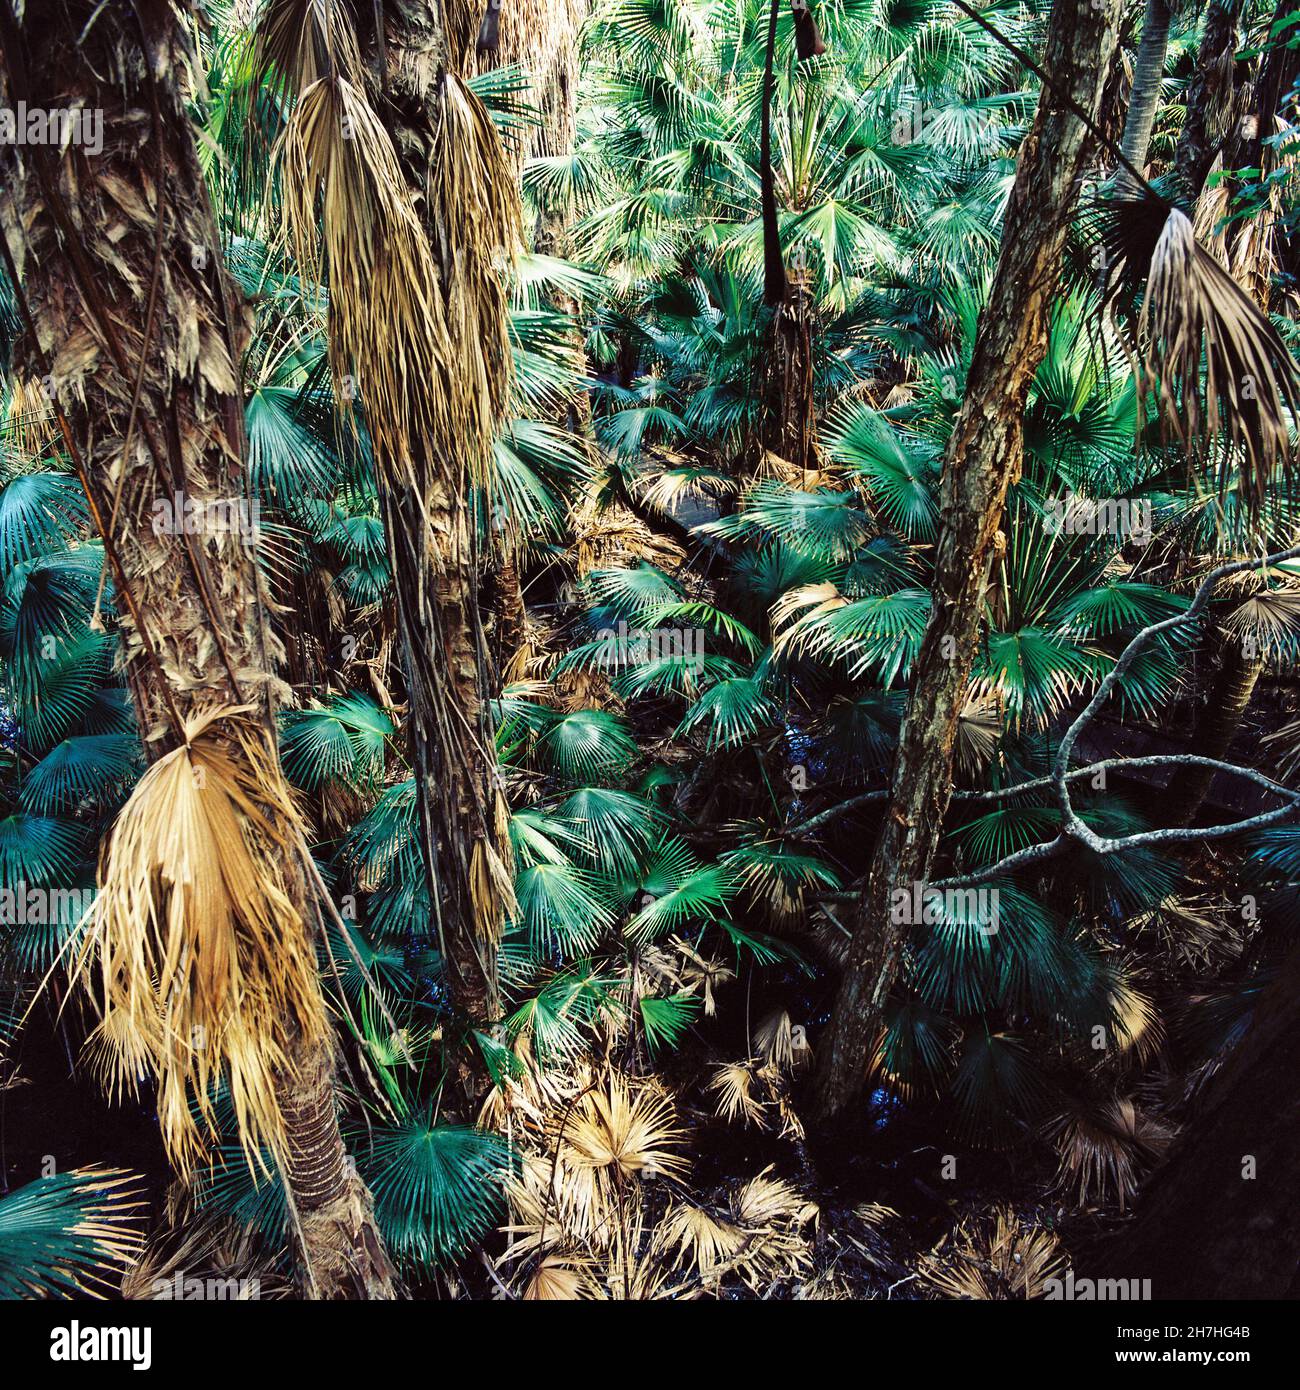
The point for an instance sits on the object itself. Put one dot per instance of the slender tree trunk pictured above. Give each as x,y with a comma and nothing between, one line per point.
1226,702
1148,74
431,542
541,37
983,459
1209,97
137,334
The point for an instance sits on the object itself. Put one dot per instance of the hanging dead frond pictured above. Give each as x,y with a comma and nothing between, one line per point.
808,41
1213,362
196,956
782,1043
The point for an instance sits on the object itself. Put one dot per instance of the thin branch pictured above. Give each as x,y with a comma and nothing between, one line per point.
1072,827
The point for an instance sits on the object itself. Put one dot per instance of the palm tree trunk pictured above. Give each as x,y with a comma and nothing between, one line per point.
134,326
1226,703
541,37
436,564
982,461
1147,76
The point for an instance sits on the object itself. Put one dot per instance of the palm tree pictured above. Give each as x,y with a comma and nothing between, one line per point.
415,204
201,956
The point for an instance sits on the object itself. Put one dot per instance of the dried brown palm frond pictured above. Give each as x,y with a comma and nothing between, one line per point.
409,233
702,1242
874,1243
1195,321
29,419
196,956
1196,931
998,1255
702,973
792,1126
1134,1018
352,225
779,1222
826,1286
609,535
558,1278
301,41
772,465
979,727
1103,1151
768,1201
796,610
525,1097
637,1268
193,1243
1269,621
734,1083
577,689
677,482
555,1202
782,1043
626,1129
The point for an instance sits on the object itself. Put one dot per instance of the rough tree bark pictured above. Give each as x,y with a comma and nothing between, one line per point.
983,459
137,334
541,37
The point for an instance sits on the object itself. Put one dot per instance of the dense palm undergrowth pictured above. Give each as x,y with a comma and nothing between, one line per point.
724,522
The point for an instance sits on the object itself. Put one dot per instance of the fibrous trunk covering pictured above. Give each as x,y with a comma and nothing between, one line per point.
136,332
464,195
982,460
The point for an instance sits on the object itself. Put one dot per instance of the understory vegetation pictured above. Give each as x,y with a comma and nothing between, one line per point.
555,460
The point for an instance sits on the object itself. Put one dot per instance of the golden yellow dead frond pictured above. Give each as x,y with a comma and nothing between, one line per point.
701,1241
626,1129
301,41
733,1084
701,972
768,1201
997,1256
28,421
553,1200
352,224
197,958
782,1043
796,612
1135,1018
557,1279
1104,1150
609,535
